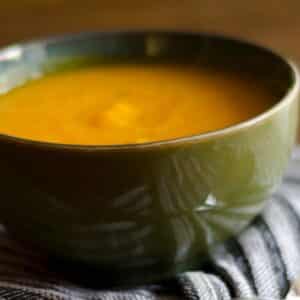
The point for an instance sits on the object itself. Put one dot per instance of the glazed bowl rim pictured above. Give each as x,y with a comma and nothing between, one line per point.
289,96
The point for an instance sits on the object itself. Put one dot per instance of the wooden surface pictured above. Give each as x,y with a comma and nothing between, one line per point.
274,23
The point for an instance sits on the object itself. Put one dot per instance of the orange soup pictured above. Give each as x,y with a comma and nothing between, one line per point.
124,104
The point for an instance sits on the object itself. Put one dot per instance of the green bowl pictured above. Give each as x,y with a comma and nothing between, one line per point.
143,212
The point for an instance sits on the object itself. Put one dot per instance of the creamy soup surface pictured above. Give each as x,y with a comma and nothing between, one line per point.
125,104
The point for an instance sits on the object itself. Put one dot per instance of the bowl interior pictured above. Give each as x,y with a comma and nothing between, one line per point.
24,62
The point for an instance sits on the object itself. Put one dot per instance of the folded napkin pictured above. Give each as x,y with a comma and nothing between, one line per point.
262,261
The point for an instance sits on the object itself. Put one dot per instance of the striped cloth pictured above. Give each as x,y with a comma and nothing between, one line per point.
263,260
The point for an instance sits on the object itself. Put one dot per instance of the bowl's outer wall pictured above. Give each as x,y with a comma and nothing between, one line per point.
154,209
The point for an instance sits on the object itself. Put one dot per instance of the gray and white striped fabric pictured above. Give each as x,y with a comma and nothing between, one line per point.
262,261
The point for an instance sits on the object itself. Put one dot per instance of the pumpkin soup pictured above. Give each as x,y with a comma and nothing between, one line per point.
121,104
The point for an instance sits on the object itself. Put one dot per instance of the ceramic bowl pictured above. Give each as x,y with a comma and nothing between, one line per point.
139,213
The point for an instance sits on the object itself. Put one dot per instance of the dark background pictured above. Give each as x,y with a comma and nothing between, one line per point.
274,23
